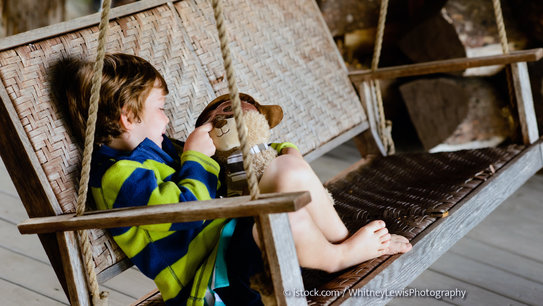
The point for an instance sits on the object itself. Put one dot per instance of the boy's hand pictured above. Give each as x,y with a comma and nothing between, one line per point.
291,151
200,141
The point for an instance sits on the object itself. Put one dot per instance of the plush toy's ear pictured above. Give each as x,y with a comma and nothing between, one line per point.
273,113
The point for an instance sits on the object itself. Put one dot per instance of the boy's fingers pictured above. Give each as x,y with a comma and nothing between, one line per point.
206,127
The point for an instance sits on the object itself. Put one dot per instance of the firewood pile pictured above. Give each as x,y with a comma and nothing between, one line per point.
468,109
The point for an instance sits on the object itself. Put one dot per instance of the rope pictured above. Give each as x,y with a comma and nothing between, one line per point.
501,26
98,298
505,48
385,126
234,97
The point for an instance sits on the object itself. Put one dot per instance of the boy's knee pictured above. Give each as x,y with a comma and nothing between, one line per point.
291,169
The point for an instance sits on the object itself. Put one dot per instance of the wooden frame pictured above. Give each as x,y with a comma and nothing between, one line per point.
449,65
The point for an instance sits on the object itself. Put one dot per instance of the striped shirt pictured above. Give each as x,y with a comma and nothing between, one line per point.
179,257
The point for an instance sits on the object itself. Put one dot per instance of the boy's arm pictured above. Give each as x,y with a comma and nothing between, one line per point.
131,183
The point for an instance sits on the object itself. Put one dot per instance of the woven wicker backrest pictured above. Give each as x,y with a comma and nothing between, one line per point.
283,54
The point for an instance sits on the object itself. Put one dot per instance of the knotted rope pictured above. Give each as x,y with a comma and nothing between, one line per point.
98,298
385,126
234,97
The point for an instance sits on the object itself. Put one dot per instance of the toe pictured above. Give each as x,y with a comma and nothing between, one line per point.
376,225
381,232
384,238
398,238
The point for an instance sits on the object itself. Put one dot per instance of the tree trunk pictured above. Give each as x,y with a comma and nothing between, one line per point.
463,28
23,15
456,113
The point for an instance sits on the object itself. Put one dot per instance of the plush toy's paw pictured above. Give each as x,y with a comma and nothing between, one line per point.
261,160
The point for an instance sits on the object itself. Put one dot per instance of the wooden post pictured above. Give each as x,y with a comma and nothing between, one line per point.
369,142
525,102
74,270
282,259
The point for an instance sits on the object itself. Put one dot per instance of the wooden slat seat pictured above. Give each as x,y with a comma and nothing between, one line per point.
406,191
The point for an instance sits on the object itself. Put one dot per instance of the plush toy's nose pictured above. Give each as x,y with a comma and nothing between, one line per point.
219,123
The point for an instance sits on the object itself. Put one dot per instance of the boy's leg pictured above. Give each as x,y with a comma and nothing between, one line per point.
291,173
316,252
308,225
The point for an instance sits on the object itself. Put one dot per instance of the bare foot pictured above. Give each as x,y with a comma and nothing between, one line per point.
398,244
371,241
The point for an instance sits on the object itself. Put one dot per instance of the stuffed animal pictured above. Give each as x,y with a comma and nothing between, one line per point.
259,119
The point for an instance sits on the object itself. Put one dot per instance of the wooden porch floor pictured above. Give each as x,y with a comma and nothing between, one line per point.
499,262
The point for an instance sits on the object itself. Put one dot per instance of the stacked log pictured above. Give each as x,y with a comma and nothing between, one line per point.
463,28
457,113
23,15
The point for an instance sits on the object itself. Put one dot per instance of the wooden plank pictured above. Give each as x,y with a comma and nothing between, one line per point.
28,273
323,148
12,209
282,259
29,245
525,102
516,264
179,212
448,65
400,270
14,294
513,233
132,283
343,157
76,24
27,251
474,294
114,270
6,185
509,285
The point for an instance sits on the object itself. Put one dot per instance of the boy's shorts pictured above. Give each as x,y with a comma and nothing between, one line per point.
243,260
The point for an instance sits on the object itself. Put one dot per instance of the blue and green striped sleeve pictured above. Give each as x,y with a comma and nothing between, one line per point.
131,183
279,146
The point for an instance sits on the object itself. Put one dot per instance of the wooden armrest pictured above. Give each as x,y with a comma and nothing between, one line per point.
449,65
180,212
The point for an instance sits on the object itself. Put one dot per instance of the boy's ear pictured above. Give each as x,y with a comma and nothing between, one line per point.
126,121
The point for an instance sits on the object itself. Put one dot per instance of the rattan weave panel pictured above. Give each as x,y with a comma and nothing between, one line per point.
282,54
401,190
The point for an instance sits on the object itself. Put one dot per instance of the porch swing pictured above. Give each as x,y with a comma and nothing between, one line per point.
286,57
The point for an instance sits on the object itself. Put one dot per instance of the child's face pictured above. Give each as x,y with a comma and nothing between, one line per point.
153,119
